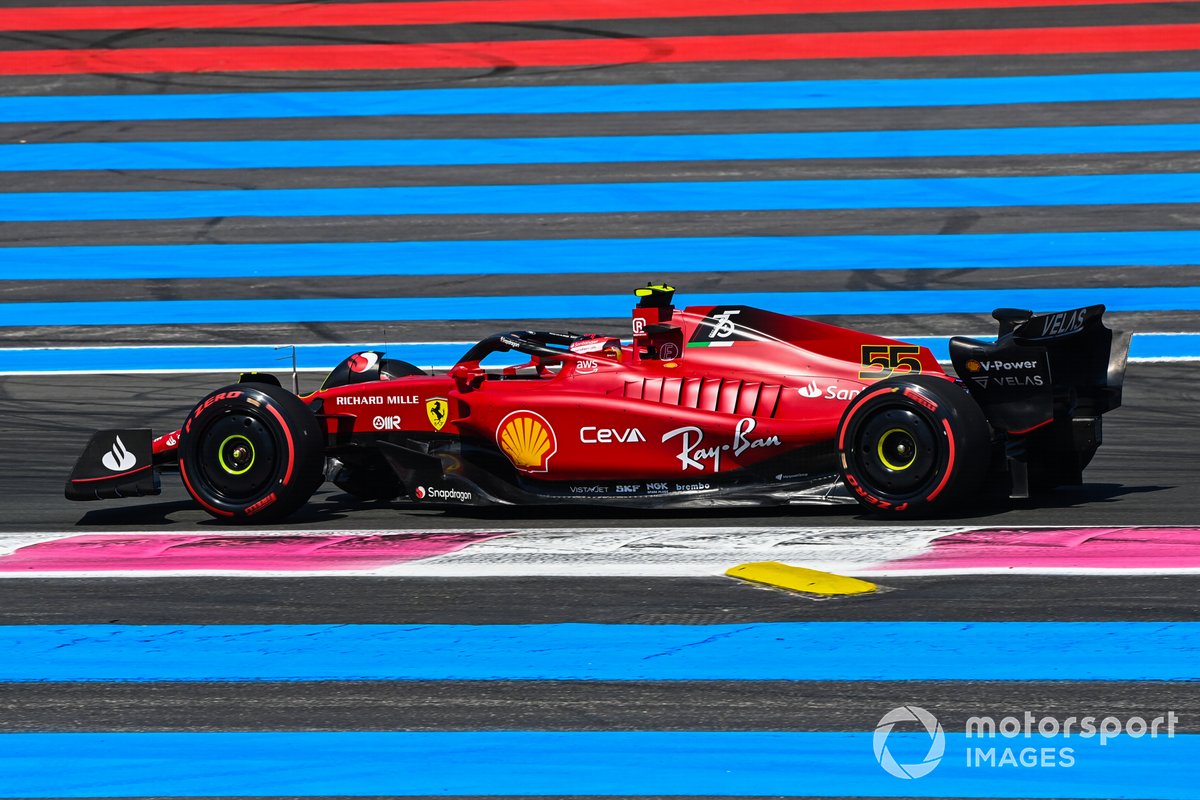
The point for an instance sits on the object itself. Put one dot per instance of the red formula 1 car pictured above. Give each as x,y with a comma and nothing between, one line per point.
711,406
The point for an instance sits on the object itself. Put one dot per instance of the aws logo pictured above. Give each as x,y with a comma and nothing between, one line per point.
528,440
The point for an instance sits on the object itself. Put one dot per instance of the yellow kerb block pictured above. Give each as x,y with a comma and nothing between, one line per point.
800,579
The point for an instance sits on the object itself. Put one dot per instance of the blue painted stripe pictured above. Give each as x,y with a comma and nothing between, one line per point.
580,307
1143,347
265,358
585,198
549,257
573,763
1097,651
1162,345
764,95
596,149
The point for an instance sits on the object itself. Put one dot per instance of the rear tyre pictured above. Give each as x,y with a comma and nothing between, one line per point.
913,445
251,453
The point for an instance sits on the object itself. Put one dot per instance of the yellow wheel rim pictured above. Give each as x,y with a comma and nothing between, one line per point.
247,448
897,450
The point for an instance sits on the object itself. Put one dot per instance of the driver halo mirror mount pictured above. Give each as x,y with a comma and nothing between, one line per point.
468,376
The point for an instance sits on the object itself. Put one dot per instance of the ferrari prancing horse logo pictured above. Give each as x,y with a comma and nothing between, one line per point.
435,408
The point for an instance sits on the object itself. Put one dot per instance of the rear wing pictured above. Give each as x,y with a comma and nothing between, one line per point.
1044,383
1084,355
1044,365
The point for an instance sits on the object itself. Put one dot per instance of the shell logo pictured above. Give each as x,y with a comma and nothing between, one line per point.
528,440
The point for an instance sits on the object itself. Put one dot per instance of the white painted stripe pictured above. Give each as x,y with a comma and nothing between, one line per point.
1162,359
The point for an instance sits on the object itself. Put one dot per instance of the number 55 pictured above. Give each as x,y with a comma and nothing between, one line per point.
881,361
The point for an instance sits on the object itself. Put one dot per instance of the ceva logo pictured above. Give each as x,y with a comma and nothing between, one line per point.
937,742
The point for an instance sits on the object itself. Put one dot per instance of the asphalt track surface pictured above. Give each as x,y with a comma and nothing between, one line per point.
1147,472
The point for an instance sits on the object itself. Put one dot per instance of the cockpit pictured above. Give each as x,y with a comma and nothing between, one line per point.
541,355
548,352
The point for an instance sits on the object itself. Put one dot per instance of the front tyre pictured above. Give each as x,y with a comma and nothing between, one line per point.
251,453
913,444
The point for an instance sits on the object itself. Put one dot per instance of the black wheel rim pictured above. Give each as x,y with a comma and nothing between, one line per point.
896,451
237,456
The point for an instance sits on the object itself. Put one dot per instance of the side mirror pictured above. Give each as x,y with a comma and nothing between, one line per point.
468,376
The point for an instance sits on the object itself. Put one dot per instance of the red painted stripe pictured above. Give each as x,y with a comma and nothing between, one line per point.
435,13
558,53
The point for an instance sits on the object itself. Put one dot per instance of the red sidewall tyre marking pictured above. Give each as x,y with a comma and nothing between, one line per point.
192,491
949,462
291,446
